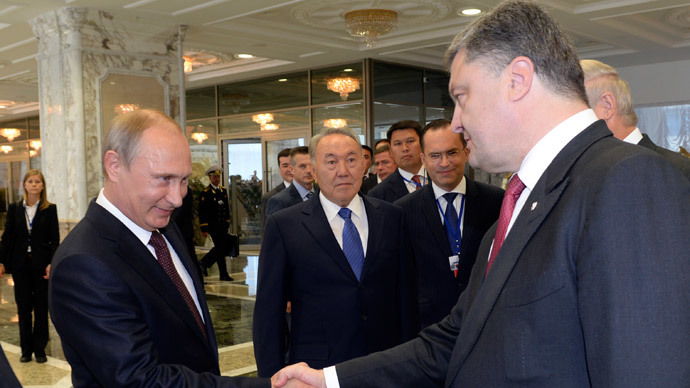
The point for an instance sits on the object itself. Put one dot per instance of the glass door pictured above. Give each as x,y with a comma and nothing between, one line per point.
251,169
11,174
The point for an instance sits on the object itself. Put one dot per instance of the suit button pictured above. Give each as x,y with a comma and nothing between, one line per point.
364,317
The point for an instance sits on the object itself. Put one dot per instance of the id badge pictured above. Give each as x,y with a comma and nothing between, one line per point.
454,262
220,201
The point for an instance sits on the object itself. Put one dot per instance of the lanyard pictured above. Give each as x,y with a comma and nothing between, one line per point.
29,220
455,233
413,182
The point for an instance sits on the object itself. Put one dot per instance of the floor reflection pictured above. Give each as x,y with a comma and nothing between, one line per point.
231,305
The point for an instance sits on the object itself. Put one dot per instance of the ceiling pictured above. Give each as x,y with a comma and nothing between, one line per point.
297,34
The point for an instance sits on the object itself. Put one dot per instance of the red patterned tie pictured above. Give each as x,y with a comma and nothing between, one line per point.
417,179
163,256
513,191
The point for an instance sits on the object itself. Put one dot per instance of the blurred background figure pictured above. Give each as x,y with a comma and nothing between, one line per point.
214,219
30,239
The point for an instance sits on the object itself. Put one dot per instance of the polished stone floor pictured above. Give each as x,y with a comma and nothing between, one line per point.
231,305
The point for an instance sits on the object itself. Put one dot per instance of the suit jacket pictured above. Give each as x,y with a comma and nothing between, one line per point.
369,183
437,287
390,189
334,317
283,199
121,320
590,287
681,162
264,202
7,377
45,238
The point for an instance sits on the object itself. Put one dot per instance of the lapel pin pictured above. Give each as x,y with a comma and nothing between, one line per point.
534,205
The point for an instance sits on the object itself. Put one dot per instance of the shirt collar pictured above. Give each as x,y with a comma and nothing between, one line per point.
331,209
634,137
461,188
301,189
546,149
408,175
34,206
141,233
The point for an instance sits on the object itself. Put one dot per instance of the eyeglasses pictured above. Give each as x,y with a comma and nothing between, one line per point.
437,157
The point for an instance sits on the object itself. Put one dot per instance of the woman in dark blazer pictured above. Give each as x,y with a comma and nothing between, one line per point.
28,243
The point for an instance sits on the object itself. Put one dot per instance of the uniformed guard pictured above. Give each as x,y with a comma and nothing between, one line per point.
214,219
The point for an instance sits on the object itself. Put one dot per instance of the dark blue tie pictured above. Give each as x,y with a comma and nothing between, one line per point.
352,244
308,196
451,217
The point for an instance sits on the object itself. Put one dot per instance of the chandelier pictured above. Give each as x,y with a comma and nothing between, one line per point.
344,86
6,149
269,127
335,123
370,23
10,133
125,108
188,64
35,144
199,137
262,118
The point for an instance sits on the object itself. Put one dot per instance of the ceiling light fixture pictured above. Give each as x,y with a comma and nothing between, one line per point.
6,148
188,65
244,56
335,123
470,11
269,127
199,137
35,144
343,86
125,108
370,23
262,118
10,133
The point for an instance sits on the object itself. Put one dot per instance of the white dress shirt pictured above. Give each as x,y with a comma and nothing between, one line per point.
461,189
359,218
144,236
407,178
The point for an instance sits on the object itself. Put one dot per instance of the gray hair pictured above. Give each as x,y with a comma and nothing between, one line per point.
604,78
126,131
331,131
520,28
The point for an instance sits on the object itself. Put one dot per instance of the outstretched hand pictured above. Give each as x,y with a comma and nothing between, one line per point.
298,376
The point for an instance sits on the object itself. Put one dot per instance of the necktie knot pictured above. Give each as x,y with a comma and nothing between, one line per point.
513,191
450,197
157,241
309,194
345,213
515,187
418,180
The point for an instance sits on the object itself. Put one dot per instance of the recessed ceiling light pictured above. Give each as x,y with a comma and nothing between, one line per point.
244,56
470,11
282,79
348,70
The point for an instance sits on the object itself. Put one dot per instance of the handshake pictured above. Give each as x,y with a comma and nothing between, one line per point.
298,376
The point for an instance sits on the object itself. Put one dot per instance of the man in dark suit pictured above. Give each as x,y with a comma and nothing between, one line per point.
588,285
7,377
214,220
286,174
444,241
384,166
125,296
404,139
338,258
302,187
609,96
368,160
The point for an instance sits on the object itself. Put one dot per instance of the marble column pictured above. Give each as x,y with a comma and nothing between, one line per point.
79,49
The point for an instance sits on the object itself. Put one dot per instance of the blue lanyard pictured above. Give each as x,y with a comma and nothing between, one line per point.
413,182
30,221
455,233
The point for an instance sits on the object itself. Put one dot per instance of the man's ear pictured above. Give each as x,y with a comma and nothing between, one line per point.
606,106
112,165
521,73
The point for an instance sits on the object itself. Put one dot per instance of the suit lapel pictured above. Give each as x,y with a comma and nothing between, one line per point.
399,187
130,249
471,216
314,220
377,226
539,204
429,208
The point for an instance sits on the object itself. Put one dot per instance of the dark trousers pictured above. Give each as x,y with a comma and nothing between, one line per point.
31,294
221,246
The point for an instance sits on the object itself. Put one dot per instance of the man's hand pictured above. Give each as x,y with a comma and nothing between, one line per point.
47,275
2,270
299,376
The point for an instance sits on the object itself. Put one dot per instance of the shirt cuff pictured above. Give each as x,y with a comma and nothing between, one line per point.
331,377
